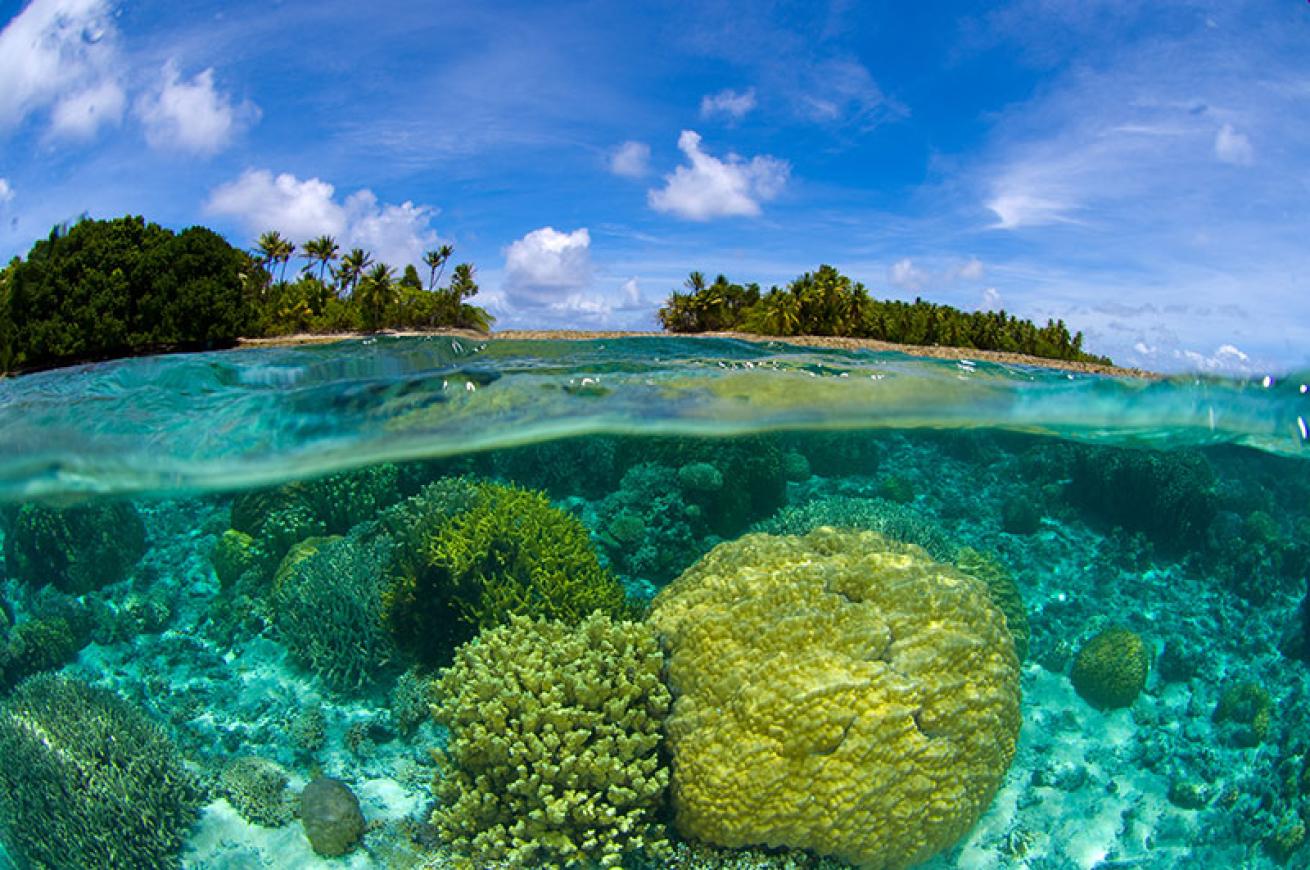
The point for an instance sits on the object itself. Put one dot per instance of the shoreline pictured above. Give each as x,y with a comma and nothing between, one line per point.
840,342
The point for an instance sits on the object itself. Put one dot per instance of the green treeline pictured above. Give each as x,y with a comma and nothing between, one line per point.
826,302
109,288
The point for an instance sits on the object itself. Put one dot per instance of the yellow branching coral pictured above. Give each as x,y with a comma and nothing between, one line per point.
553,757
838,692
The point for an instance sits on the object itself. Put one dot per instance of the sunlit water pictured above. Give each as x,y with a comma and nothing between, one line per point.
259,552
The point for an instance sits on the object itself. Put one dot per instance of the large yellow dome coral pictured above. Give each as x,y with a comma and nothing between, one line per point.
839,692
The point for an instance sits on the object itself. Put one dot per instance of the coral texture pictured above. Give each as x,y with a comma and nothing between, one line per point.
554,744
328,610
1003,590
89,781
503,551
839,692
897,521
1110,670
77,549
257,789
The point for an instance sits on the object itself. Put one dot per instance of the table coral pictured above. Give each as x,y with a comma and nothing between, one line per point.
839,692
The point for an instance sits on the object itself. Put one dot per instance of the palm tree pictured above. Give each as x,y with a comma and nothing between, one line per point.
377,291
436,263
352,268
695,282
322,250
275,248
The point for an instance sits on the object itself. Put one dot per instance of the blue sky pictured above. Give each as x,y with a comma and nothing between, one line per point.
1141,170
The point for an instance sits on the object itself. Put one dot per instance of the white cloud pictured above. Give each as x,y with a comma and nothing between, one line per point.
904,274
6,191
631,160
61,54
300,210
82,114
547,267
707,187
728,103
971,270
991,300
191,115
1231,146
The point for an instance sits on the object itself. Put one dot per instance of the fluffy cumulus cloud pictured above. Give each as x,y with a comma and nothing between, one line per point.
1231,146
191,115
60,56
302,209
730,104
6,191
546,266
630,160
707,187
991,300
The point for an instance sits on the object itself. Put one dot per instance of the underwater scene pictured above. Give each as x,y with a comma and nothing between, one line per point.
649,603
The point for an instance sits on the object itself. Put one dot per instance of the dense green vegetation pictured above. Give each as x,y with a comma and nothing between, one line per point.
107,288
826,302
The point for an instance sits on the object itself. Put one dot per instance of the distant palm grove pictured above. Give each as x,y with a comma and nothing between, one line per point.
826,302
107,288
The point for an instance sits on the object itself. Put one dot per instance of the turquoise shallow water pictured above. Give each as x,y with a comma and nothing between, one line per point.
803,608
232,419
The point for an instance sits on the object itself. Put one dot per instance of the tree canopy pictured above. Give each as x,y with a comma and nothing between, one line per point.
105,288
826,302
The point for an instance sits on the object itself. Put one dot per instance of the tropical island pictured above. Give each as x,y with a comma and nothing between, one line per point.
101,289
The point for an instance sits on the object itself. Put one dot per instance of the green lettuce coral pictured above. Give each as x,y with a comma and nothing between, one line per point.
553,758
88,781
839,692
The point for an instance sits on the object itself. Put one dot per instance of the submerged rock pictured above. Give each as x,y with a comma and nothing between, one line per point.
330,813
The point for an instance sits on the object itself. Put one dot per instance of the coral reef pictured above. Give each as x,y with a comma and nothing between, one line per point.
43,644
1003,591
647,528
1169,496
89,781
508,552
1110,668
329,611
233,555
1247,711
331,816
77,549
257,790
553,758
882,743
896,521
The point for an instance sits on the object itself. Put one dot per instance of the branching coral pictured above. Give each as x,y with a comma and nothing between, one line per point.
503,551
89,781
329,611
839,692
553,757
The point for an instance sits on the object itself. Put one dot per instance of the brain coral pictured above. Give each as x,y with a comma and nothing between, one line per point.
1111,668
838,692
553,758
